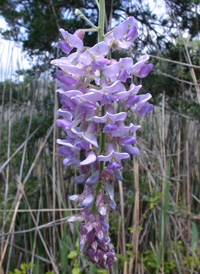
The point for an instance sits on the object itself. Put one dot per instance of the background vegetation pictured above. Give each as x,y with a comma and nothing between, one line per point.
155,228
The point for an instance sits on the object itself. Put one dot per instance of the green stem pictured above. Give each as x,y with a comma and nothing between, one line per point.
101,37
103,136
81,15
101,20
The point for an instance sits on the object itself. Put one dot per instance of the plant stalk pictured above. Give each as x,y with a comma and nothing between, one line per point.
103,137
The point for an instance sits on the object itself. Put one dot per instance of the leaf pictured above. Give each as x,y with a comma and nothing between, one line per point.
31,265
162,226
64,252
75,270
17,271
194,236
23,266
102,271
76,245
72,254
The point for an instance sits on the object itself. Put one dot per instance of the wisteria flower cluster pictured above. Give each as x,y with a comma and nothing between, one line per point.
90,87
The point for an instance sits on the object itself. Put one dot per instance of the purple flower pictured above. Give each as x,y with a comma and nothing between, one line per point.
64,46
72,40
131,150
114,165
67,67
132,100
88,134
140,69
64,123
113,155
88,200
123,35
141,107
93,178
90,86
128,140
91,158
109,127
126,29
94,240
144,70
110,117
94,54
65,78
123,130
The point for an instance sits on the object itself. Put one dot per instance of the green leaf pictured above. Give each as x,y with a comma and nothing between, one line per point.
17,271
162,226
76,245
64,252
31,265
102,271
194,236
23,266
72,254
75,270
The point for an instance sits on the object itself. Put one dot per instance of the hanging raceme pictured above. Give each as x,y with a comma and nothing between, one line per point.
92,125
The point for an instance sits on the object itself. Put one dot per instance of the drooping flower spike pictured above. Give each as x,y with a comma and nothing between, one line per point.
94,127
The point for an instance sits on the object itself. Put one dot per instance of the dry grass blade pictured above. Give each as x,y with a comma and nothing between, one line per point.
38,154
2,111
176,79
27,135
54,173
35,234
8,156
29,252
50,224
41,237
134,255
164,180
20,196
42,210
175,62
122,224
18,149
189,61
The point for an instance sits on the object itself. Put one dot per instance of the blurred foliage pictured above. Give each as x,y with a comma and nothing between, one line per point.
24,268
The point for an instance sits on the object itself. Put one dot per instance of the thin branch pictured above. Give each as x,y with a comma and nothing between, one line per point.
175,62
176,79
42,210
36,228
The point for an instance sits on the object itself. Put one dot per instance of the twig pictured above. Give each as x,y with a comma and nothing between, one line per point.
175,62
42,210
56,222
177,79
30,252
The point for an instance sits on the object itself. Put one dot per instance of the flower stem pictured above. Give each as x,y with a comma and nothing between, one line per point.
101,37
81,15
101,20
103,137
